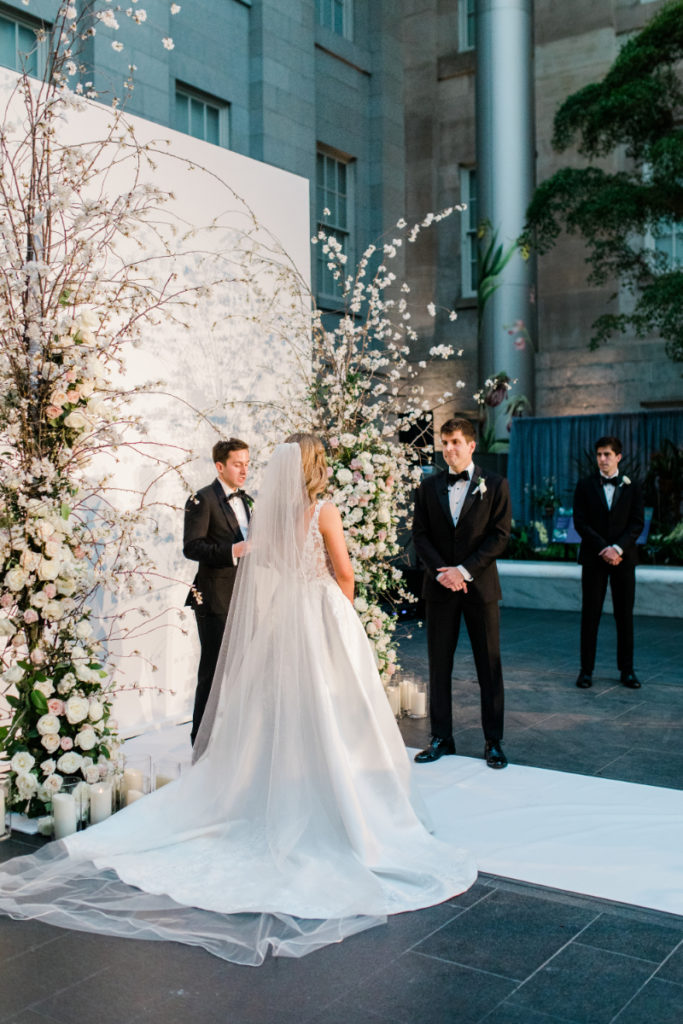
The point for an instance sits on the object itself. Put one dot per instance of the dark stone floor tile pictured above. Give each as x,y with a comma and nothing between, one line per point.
507,1014
659,1002
646,767
419,988
31,1017
645,940
672,970
508,934
347,1011
481,890
37,975
16,937
589,988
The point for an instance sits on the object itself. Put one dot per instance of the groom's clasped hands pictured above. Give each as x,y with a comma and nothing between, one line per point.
451,578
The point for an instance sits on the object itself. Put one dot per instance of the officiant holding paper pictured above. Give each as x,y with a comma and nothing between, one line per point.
215,534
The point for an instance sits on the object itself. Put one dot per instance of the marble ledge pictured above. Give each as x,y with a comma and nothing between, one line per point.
556,586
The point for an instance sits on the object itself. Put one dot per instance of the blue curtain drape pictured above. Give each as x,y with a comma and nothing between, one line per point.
548,449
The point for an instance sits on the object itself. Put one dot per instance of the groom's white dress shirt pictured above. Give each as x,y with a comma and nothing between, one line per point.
237,505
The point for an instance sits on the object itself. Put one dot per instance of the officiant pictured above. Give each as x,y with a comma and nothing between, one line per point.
215,535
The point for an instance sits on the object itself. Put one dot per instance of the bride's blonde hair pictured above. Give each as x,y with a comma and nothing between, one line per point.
313,462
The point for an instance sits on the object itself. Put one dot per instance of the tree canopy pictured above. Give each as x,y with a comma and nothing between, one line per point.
637,109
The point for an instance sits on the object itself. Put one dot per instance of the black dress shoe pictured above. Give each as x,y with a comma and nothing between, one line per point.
495,758
631,680
585,680
436,749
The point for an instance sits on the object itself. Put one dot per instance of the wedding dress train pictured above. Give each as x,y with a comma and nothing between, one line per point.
297,824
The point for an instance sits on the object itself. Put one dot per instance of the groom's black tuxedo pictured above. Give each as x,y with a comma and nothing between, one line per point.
599,527
211,528
481,535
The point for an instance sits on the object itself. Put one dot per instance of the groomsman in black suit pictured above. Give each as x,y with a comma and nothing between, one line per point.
461,525
215,532
608,516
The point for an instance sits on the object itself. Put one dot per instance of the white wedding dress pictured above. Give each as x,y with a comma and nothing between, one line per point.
297,824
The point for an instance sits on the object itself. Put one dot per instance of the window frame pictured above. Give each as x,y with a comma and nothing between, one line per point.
347,16
467,13
222,108
343,232
469,240
41,45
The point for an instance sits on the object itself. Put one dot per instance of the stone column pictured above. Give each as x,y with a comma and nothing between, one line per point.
505,183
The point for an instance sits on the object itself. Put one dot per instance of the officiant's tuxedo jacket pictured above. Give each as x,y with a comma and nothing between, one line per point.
600,527
210,530
480,536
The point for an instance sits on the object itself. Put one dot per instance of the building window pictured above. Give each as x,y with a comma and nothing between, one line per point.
469,242
21,48
466,24
333,193
667,239
335,15
202,116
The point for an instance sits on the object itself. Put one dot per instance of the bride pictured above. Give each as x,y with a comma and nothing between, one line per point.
297,824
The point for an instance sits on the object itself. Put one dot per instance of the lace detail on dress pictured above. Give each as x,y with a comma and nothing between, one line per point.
316,560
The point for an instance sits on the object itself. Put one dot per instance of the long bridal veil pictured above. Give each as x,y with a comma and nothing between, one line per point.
295,826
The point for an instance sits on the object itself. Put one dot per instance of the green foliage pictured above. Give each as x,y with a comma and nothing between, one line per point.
638,106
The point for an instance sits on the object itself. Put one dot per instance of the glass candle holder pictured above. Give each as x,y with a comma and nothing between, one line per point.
407,685
5,814
136,781
69,808
418,701
101,799
393,692
165,770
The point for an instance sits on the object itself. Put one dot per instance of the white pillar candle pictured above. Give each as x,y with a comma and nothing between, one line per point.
419,704
132,795
64,815
100,802
162,780
394,695
406,692
132,779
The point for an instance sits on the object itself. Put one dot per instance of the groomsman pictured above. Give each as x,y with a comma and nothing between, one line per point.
608,516
215,532
461,525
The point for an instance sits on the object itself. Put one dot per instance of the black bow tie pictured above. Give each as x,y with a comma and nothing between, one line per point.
454,477
235,494
604,480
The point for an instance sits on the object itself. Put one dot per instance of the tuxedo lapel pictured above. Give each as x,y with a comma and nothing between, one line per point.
600,491
442,495
225,507
471,495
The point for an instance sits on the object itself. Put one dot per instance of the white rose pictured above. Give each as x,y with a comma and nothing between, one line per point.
86,738
76,709
50,742
66,587
52,785
26,785
360,604
66,683
13,675
86,388
70,762
344,476
83,629
53,610
22,762
348,440
15,578
48,766
48,569
30,560
7,627
85,674
39,599
92,774
43,530
46,687
96,711
78,654
87,320
48,725
76,420
53,549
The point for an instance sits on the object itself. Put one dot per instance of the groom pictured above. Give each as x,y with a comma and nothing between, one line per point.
462,524
215,531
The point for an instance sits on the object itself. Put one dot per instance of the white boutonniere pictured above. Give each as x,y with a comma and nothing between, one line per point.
625,480
480,489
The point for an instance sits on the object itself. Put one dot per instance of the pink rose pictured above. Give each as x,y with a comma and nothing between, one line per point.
56,707
70,376
74,395
66,743
329,472
50,591
78,552
334,442
357,477
38,657
52,412
30,615
6,600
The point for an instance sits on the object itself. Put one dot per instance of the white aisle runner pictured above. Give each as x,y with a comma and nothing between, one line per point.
598,837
